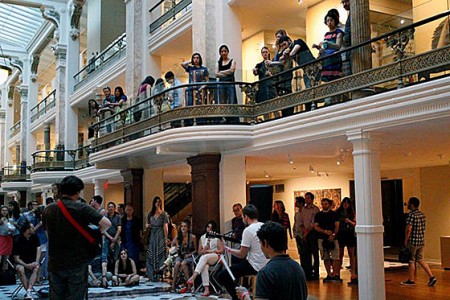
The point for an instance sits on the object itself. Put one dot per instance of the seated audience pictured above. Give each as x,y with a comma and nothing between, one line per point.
125,272
186,244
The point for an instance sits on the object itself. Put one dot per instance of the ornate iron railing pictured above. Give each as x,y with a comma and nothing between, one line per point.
44,106
113,50
60,160
15,129
177,6
274,97
16,173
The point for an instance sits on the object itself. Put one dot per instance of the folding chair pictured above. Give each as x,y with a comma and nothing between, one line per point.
20,285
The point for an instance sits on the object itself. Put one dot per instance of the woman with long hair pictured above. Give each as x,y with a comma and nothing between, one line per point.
280,215
158,221
346,235
225,69
186,243
120,96
210,250
197,73
125,272
14,214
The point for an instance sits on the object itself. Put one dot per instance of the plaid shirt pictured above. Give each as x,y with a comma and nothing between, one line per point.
417,219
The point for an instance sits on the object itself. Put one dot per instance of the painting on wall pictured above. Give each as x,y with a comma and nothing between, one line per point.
333,194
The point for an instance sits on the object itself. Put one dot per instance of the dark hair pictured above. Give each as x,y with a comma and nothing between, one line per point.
311,195
274,234
328,200
169,75
266,49
122,265
284,38
250,211
30,205
153,211
237,204
159,81
334,14
121,205
16,209
200,60
38,212
112,204
299,200
71,185
49,200
107,88
281,31
120,91
148,80
180,234
280,203
98,199
414,201
350,211
25,226
213,225
220,49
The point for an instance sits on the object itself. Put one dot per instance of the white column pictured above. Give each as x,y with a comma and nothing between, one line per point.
369,218
99,187
3,101
60,51
136,43
233,187
24,124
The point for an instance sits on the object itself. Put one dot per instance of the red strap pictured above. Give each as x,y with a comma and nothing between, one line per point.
75,223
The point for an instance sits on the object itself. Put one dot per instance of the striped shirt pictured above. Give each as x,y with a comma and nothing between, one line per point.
416,219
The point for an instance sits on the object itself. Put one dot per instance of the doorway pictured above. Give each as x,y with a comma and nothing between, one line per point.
261,196
392,206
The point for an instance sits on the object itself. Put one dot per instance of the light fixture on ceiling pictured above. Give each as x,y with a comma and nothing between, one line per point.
290,159
4,70
300,2
343,154
266,174
311,169
402,21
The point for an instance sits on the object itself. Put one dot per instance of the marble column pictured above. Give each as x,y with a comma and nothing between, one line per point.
136,44
133,189
99,187
232,174
46,136
369,217
215,23
360,31
60,51
205,190
24,124
2,137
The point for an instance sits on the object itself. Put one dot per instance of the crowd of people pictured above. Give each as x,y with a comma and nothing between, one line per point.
48,242
275,79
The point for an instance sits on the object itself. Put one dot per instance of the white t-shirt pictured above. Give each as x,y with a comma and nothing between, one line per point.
255,256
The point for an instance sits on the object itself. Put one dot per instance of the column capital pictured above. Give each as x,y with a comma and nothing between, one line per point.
53,16
360,137
23,90
75,11
34,67
60,51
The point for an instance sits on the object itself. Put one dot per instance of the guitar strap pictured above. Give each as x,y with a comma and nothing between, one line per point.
75,223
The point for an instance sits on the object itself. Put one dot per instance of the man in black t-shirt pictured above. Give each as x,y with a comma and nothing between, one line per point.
326,223
68,248
26,253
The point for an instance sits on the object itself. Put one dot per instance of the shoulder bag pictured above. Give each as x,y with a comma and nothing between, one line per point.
93,236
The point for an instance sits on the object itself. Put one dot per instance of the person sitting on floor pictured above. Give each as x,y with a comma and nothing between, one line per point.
125,272
27,254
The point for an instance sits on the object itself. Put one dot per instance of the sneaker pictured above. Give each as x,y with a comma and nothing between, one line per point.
328,279
432,281
408,282
28,295
337,279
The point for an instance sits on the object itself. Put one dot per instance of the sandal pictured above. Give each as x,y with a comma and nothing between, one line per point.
206,294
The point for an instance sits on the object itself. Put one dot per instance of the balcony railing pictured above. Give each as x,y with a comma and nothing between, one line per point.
277,95
16,173
171,14
14,130
60,160
114,50
44,106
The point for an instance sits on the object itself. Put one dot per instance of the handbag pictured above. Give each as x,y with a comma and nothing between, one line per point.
404,256
146,236
92,235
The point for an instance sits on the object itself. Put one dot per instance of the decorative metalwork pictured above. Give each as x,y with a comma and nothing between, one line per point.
34,67
399,42
53,17
313,72
169,15
44,106
17,64
250,91
76,7
55,160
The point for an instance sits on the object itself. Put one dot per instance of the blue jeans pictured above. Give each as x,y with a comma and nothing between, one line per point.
69,284
106,250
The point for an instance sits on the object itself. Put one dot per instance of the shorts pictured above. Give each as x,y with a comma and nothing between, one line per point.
346,239
416,253
329,254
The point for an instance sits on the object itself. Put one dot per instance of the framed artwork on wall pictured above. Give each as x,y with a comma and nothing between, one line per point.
333,194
